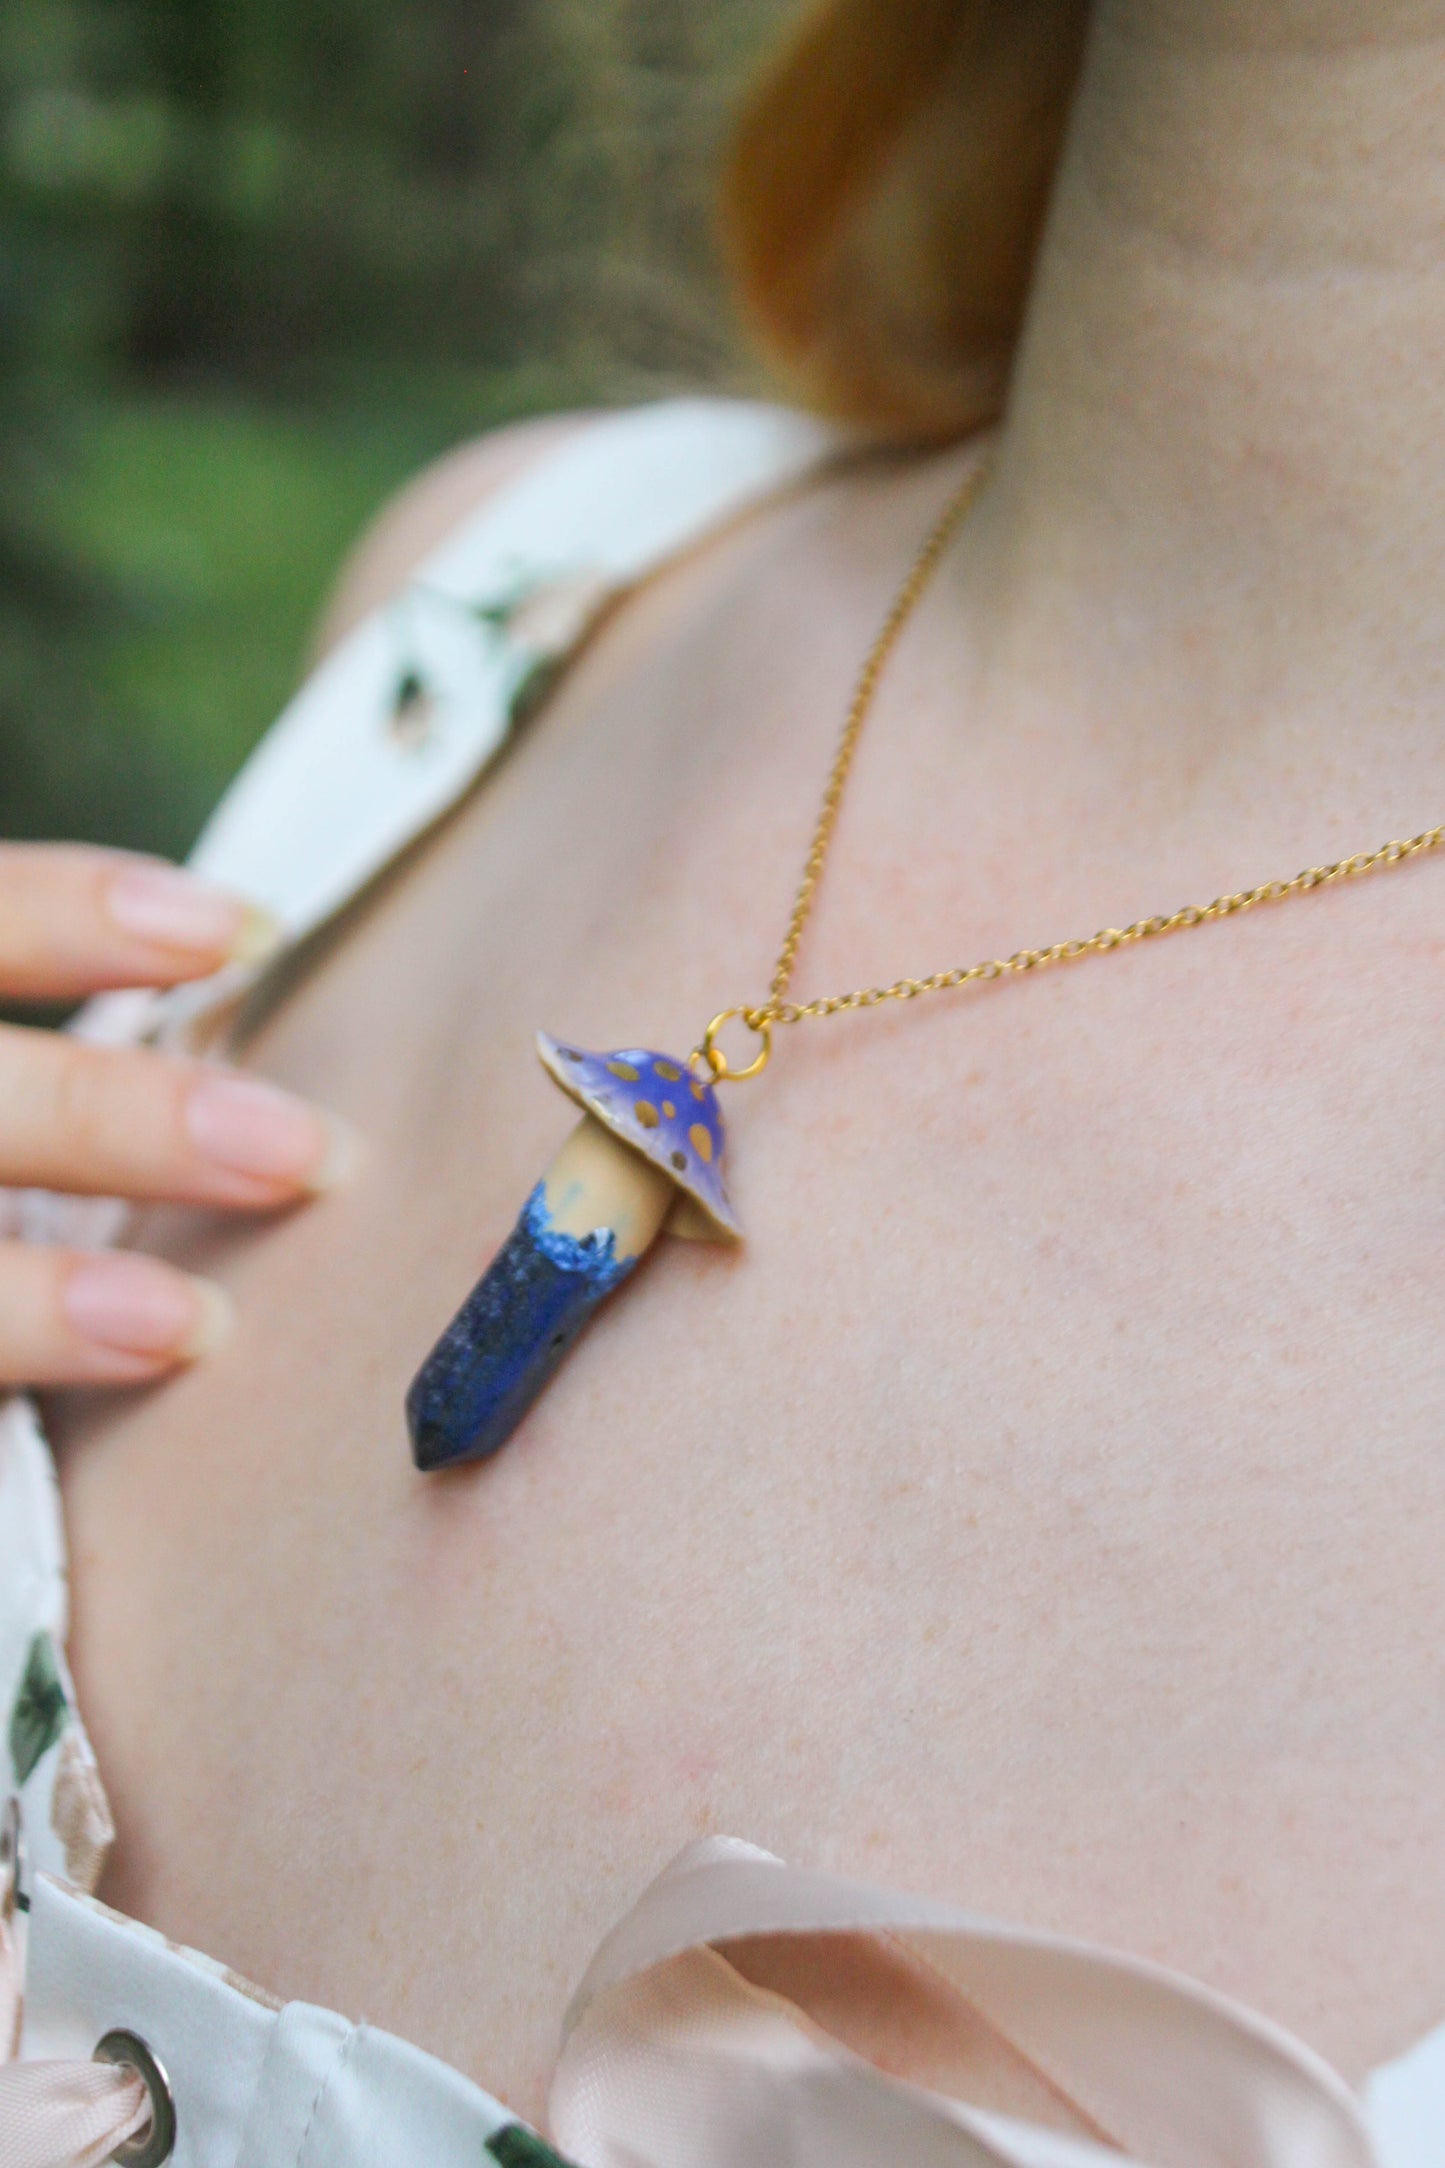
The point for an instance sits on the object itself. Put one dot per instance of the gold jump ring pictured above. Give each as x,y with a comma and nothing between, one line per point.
722,1069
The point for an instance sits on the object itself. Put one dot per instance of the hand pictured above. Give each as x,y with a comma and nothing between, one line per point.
126,1122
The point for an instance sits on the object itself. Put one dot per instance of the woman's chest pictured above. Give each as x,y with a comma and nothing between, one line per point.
1043,1506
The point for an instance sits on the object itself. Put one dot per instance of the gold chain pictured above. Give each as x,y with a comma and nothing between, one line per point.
777,1009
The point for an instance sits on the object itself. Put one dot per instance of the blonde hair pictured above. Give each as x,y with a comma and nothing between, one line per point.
884,196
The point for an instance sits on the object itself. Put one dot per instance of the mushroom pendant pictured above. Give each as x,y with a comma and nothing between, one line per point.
646,1156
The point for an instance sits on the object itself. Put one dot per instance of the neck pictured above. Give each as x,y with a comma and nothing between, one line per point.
1222,476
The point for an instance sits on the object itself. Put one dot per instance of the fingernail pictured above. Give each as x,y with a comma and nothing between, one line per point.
341,1158
166,905
252,1128
138,1307
260,937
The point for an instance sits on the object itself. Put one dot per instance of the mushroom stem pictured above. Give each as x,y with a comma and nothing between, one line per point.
597,1208
595,1181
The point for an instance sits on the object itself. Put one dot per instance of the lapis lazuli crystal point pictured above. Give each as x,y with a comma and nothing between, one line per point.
508,1337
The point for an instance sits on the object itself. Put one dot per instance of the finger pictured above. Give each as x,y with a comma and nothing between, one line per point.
75,921
69,1317
123,1122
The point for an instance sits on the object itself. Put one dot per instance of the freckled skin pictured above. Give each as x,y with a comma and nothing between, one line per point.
959,1503
1042,1507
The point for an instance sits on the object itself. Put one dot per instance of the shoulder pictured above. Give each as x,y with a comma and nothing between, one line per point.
428,509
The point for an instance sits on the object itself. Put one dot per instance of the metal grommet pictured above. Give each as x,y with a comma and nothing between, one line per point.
157,2141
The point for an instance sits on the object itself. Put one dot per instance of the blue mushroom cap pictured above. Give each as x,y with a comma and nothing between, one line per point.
655,1105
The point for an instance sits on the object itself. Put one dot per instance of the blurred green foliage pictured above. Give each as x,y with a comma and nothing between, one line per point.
259,259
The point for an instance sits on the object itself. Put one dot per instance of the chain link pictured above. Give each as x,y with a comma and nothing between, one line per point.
1098,944
905,602
777,1009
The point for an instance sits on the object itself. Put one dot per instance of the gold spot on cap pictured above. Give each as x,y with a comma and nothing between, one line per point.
701,1140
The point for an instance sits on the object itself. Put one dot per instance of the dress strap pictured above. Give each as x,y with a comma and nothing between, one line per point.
408,709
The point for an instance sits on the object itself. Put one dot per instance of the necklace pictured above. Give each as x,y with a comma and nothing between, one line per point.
647,1155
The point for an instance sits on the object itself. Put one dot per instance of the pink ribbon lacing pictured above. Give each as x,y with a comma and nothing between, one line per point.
712,2031
58,2114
